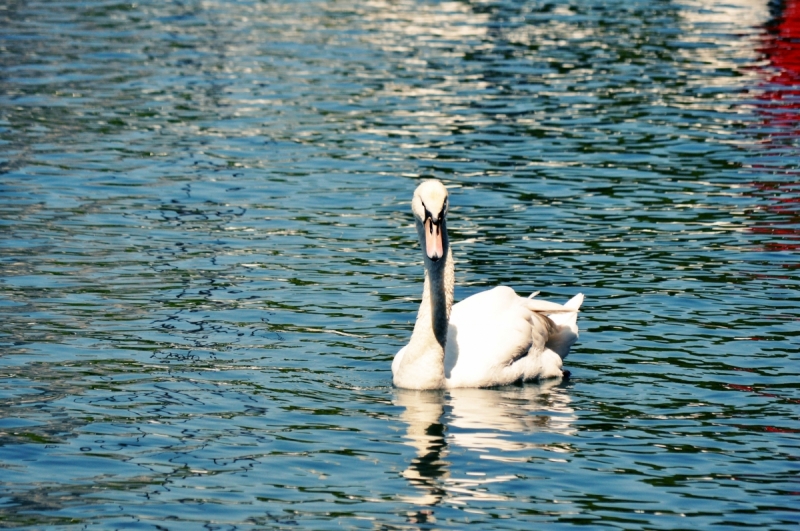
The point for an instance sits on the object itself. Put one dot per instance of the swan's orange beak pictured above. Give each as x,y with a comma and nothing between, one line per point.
434,245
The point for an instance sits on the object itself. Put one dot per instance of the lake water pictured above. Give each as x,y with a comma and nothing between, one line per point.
208,262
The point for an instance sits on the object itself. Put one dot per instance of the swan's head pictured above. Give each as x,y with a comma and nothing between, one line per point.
430,208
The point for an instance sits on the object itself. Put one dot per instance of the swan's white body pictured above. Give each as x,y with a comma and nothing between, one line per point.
491,338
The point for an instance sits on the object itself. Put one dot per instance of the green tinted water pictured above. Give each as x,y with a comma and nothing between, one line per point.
208,262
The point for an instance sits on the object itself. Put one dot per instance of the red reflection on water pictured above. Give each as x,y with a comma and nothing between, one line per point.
779,105
783,209
781,46
780,216
751,389
774,429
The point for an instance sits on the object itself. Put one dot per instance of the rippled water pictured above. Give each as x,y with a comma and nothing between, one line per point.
208,261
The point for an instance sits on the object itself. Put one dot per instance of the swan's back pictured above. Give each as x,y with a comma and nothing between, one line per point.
496,337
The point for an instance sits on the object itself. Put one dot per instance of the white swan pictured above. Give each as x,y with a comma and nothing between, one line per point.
491,338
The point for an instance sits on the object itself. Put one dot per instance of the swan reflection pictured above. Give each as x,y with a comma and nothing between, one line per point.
490,422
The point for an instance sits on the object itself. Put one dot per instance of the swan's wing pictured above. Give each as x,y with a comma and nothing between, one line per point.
566,324
488,332
497,337
546,307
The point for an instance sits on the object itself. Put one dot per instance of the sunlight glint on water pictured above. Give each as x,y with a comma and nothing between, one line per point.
208,262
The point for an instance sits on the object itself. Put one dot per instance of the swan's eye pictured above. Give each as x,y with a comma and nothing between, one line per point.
427,212
435,221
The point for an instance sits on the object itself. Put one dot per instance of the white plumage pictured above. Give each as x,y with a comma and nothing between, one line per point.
492,338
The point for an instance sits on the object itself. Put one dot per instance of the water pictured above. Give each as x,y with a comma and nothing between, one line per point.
208,262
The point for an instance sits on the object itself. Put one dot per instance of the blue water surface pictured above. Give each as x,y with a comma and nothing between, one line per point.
208,262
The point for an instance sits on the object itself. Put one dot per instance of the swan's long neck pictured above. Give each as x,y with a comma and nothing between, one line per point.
437,300
422,366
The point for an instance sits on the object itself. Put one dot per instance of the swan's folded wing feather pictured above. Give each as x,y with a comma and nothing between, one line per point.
546,307
488,333
496,338
575,302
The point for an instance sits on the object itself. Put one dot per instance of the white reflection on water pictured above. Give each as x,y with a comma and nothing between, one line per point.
732,44
495,423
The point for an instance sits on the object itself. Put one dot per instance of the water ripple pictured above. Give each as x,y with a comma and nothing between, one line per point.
208,262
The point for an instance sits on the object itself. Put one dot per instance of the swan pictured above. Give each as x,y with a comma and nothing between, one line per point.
489,339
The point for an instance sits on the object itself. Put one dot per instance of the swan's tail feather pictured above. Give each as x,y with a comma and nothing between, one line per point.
566,326
575,302
546,307
549,308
